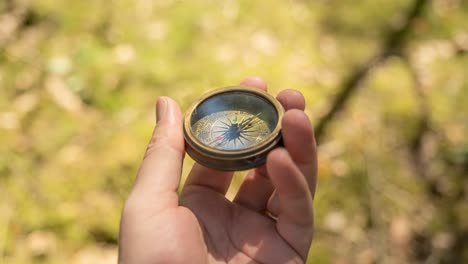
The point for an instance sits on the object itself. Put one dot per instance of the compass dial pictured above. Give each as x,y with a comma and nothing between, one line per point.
233,128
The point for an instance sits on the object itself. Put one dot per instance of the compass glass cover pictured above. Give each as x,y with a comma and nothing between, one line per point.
233,121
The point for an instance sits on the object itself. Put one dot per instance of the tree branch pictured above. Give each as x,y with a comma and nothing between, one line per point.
392,45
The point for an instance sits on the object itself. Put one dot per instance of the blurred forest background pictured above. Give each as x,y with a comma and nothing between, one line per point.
386,85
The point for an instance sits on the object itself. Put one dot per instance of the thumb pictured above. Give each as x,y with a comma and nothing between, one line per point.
160,172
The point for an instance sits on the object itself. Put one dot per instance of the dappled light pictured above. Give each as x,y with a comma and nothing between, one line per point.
385,84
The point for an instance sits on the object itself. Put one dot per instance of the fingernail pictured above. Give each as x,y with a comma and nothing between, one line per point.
161,107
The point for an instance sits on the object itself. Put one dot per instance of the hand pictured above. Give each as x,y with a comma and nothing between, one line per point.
269,221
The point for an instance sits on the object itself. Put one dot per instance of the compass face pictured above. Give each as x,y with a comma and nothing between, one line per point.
233,127
231,130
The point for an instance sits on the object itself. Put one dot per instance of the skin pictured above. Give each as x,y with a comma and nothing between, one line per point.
269,221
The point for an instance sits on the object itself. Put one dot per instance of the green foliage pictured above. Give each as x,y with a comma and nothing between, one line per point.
78,82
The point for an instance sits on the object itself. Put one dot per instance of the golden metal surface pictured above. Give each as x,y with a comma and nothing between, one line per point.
233,159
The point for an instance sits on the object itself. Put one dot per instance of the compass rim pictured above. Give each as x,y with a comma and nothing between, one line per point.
199,146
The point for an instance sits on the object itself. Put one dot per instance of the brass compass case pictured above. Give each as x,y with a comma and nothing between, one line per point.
233,128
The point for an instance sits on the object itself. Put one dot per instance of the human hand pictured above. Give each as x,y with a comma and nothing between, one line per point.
269,221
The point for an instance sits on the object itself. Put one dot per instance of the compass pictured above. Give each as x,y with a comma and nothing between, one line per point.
233,128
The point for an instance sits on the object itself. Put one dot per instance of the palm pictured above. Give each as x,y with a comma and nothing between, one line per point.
233,233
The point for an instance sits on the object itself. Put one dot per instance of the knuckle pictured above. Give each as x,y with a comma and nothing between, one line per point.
161,141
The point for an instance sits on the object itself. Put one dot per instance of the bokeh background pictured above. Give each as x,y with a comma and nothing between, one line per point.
386,86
